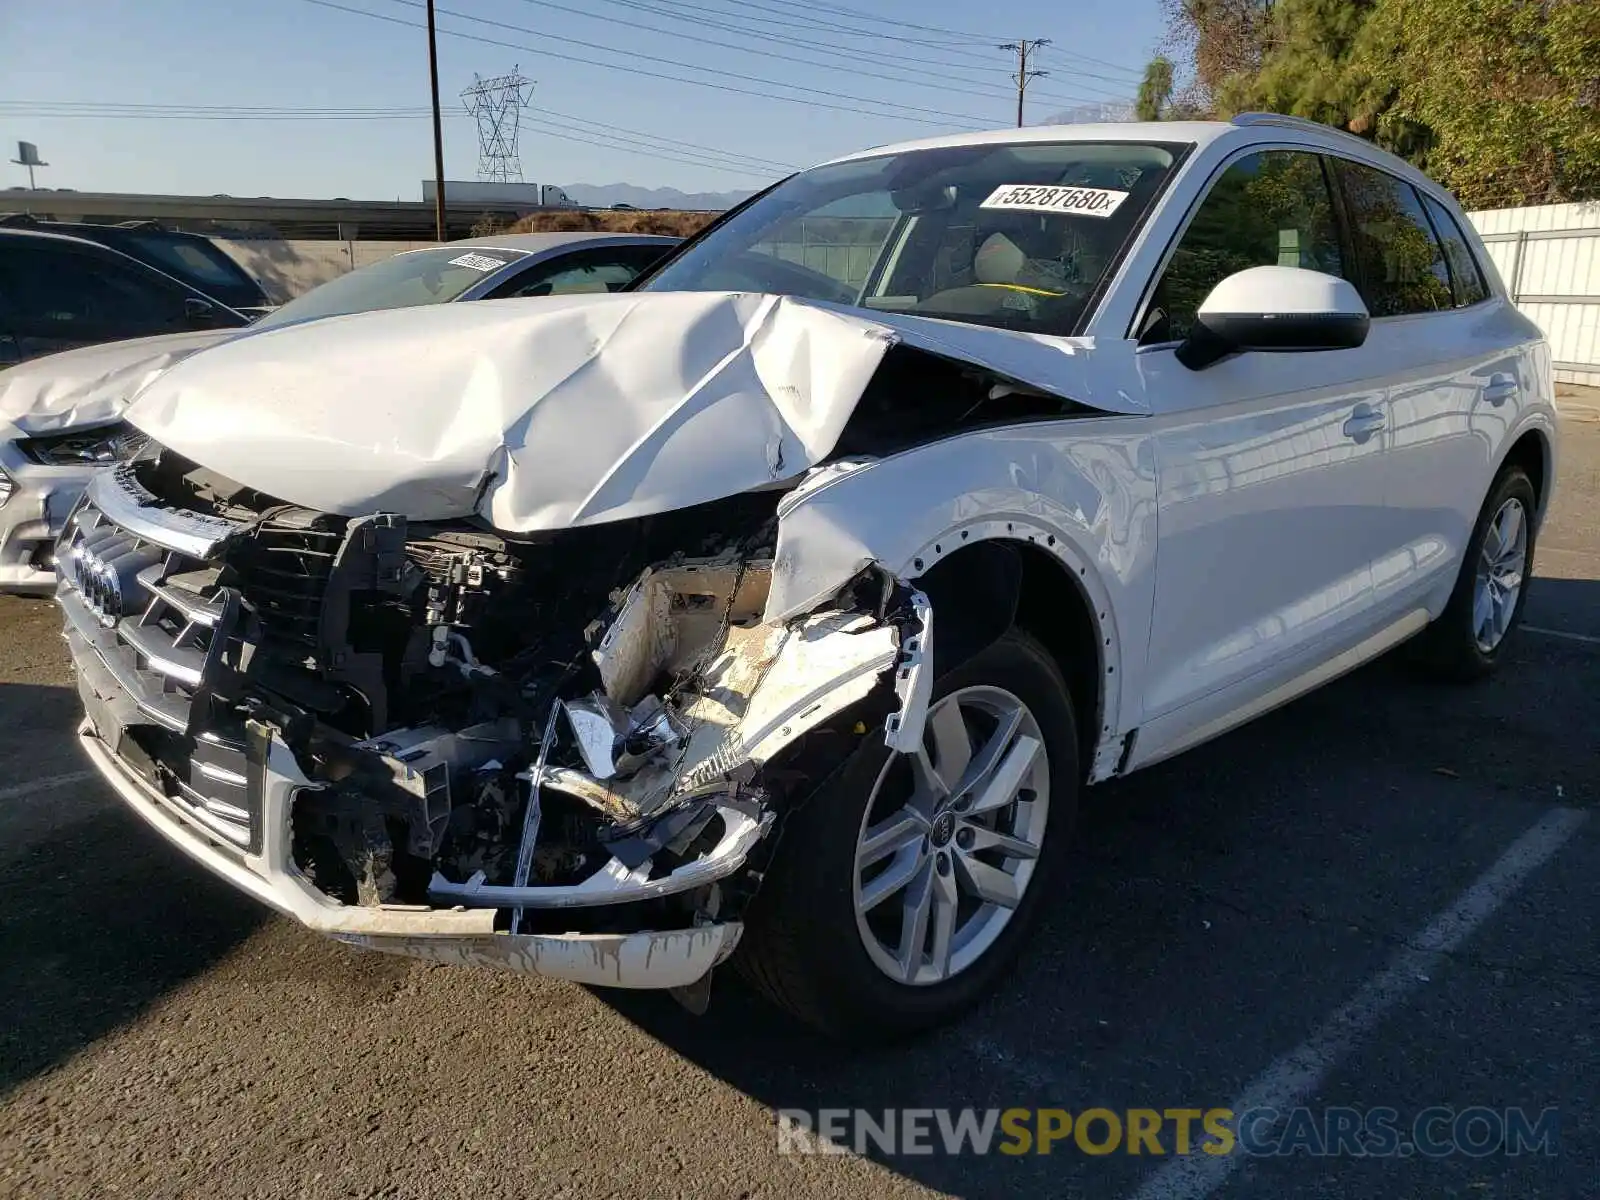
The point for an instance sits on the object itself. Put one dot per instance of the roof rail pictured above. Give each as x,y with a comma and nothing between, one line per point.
1288,122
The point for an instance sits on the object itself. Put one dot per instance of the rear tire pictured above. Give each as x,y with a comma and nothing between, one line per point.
810,947
1467,639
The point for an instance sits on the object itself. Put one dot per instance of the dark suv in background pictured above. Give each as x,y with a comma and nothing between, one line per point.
190,257
57,293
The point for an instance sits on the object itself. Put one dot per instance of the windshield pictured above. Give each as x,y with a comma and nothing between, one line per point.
1018,236
418,277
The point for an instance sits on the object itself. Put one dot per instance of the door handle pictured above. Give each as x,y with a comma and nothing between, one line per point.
1363,423
1499,389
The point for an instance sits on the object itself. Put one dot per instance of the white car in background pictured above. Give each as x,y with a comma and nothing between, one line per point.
783,605
60,414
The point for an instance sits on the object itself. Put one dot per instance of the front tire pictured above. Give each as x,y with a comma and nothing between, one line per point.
1467,639
904,888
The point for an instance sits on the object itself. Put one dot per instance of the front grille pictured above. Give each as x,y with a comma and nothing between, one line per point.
284,572
149,627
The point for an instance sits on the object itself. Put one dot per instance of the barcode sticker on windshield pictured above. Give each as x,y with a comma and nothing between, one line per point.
1073,201
478,262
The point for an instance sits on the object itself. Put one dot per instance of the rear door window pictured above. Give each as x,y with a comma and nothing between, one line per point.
1402,265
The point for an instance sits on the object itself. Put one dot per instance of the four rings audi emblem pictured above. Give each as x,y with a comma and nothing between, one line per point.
105,564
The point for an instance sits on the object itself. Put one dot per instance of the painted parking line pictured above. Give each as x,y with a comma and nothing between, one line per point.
1294,1078
23,790
1561,633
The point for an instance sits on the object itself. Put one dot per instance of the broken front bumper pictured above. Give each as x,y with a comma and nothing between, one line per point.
650,959
34,503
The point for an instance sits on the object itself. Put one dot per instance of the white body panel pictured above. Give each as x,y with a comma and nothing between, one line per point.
1270,519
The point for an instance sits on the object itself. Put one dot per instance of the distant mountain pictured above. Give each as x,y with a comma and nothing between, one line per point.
1092,114
605,195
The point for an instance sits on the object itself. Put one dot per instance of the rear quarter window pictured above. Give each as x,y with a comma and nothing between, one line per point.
1465,274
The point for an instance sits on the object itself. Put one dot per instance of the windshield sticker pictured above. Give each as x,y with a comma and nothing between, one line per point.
1073,201
478,262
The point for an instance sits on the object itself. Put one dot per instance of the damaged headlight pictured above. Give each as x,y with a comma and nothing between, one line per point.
113,443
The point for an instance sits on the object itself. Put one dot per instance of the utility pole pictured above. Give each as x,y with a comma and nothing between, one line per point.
438,133
1024,47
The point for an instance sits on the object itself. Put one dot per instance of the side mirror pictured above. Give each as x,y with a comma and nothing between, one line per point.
198,313
1276,310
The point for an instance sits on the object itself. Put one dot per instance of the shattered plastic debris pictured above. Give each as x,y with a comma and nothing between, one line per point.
595,722
614,742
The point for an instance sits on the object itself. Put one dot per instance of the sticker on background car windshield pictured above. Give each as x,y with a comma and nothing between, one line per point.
478,262
1074,201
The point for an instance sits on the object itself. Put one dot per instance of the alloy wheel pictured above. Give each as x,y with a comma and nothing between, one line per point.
951,837
1501,565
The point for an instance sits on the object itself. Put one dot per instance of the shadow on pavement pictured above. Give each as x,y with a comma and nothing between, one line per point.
99,918
1218,906
1566,605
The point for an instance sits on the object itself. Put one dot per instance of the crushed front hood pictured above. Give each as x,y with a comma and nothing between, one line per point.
91,385
548,414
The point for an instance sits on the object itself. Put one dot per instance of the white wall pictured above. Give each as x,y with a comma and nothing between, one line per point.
1549,257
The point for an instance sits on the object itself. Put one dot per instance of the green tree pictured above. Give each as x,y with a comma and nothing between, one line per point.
1507,92
1155,91
1305,70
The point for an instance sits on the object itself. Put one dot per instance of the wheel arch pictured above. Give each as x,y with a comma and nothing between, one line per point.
1534,453
992,574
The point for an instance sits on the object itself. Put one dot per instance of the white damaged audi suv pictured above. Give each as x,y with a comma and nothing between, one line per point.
777,608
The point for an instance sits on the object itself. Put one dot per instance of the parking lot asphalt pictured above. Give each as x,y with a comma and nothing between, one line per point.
1382,895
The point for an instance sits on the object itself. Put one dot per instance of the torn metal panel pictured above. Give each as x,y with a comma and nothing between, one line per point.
575,411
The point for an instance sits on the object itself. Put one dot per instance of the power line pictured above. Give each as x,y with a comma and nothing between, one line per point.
636,72
1119,89
986,39
634,141
657,138
700,39
861,16
806,18
173,114
910,110
674,10
613,144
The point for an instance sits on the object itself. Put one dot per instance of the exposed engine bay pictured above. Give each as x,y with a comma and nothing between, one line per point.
591,729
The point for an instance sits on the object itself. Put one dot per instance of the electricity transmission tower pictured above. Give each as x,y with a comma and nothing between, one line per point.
1024,47
497,105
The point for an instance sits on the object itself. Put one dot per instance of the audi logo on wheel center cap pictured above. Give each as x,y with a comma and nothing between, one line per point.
944,828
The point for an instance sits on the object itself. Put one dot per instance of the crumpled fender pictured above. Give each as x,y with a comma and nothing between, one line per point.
91,385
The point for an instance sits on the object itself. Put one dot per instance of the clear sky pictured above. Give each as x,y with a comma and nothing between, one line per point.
128,95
